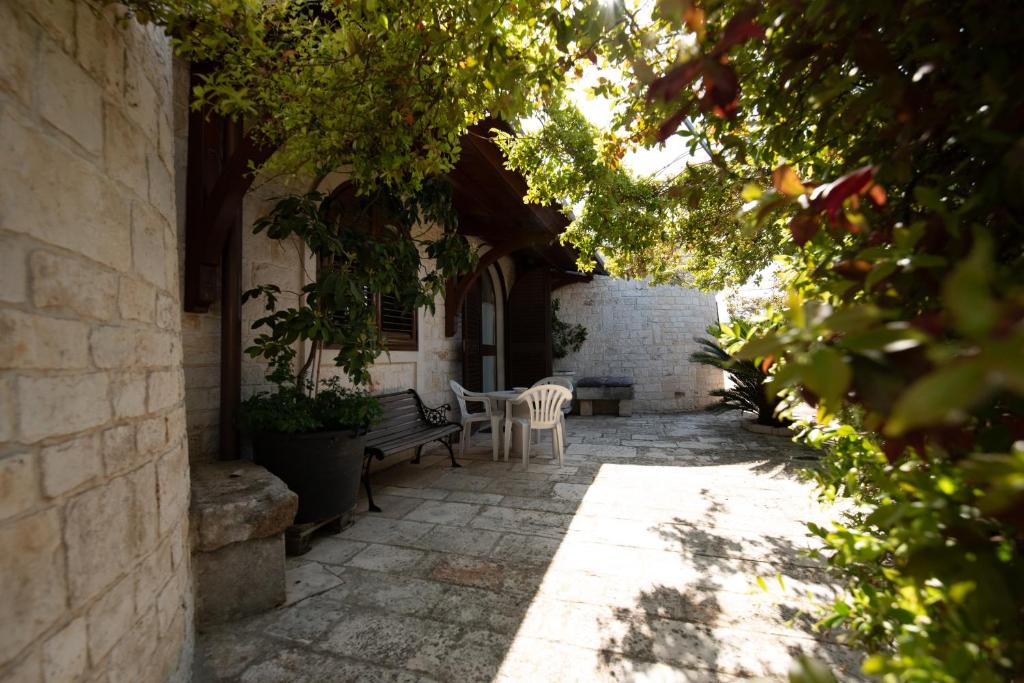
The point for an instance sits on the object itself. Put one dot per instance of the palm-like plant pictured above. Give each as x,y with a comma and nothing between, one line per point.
747,391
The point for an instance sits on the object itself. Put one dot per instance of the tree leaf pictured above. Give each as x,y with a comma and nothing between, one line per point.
786,181
942,397
826,374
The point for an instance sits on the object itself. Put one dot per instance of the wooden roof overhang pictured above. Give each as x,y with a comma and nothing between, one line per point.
489,200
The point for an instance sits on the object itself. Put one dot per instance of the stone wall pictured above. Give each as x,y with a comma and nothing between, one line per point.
646,332
94,570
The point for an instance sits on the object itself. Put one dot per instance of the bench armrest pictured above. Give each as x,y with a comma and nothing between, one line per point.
435,416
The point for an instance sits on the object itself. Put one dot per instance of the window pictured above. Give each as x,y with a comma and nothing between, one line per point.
396,324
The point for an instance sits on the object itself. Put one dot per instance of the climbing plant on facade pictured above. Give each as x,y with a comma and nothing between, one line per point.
680,229
380,89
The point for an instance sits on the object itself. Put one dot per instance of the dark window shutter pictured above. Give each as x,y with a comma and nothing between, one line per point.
529,329
472,327
397,324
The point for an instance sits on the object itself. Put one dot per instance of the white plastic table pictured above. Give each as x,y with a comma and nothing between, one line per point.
500,406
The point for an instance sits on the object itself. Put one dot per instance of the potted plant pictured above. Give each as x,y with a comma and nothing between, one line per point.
565,337
312,438
310,431
747,392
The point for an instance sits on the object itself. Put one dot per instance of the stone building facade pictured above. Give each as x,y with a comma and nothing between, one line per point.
646,333
108,390
94,488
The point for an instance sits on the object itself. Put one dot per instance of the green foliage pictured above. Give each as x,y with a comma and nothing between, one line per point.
932,581
291,410
681,230
751,306
364,244
381,88
565,337
892,137
748,392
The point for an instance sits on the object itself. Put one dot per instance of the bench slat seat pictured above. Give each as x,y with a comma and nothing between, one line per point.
406,423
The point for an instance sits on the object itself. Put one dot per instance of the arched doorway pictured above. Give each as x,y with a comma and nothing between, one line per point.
482,332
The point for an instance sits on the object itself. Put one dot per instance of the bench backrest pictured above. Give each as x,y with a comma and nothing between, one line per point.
401,412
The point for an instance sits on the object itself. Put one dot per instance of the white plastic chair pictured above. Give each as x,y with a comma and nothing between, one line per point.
545,403
561,381
464,396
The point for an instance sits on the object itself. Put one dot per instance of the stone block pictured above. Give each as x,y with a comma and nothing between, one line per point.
118,449
151,435
168,312
28,668
113,347
58,405
132,658
238,515
110,617
222,596
172,487
69,465
143,513
161,186
19,484
73,285
18,36
99,538
38,342
157,348
236,501
170,602
70,100
6,410
57,19
13,266
31,580
56,196
124,152
141,98
152,576
148,227
129,396
164,390
65,655
100,48
136,299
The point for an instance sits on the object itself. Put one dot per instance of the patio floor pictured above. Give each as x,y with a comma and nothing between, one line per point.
638,561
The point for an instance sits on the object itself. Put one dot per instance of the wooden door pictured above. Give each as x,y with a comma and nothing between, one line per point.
472,356
529,329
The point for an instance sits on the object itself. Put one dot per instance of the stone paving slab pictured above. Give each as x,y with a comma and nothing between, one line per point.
669,548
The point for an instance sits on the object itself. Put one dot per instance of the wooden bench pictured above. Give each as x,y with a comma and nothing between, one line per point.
406,423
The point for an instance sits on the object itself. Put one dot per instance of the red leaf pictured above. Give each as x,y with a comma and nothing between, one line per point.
853,269
830,197
877,194
668,86
739,29
803,227
721,89
670,125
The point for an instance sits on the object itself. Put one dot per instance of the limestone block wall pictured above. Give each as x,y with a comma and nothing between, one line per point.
94,570
646,332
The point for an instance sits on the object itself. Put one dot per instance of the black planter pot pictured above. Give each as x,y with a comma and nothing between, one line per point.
322,468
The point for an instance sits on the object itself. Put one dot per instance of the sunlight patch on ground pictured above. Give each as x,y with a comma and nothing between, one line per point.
657,579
